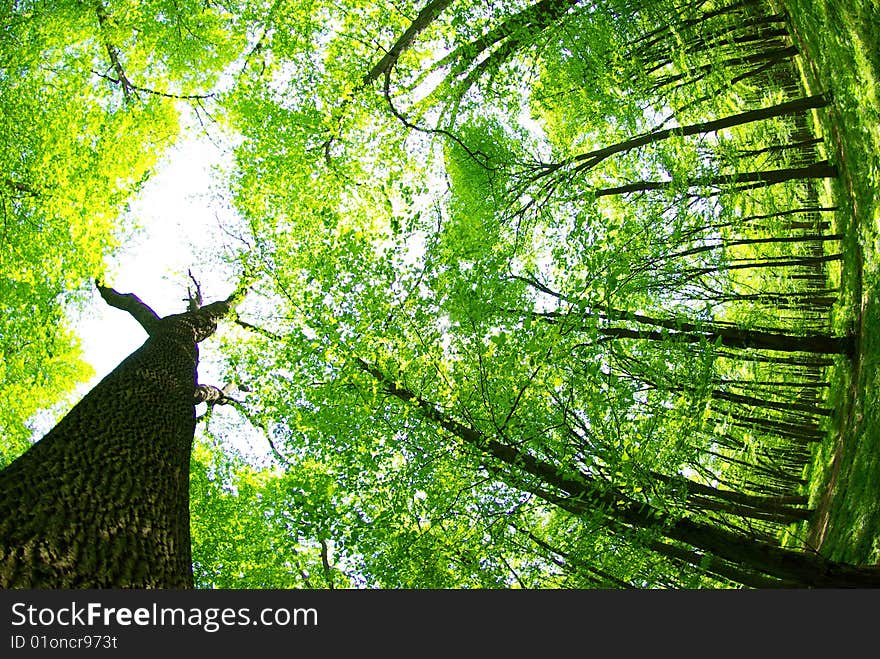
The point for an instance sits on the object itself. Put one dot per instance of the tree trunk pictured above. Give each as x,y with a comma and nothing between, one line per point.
763,178
580,494
589,160
102,501
734,338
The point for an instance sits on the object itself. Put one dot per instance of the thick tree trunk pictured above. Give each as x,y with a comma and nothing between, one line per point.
102,501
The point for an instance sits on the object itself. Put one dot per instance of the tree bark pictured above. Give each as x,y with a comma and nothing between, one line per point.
426,16
102,501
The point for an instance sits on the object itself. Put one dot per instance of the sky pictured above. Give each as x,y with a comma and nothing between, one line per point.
180,215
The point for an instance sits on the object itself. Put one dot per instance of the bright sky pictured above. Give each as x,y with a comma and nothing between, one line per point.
180,216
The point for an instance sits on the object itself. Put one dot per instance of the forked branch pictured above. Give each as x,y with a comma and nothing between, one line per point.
131,303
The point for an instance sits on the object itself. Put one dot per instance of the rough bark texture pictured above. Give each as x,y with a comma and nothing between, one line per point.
102,501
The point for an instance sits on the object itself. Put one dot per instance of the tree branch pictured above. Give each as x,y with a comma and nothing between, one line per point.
131,303
426,16
113,53
129,86
257,330
325,562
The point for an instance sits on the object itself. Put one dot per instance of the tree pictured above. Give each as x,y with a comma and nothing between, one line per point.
664,204
90,98
103,499
545,287
581,493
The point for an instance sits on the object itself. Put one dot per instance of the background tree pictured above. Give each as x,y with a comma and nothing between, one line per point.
586,293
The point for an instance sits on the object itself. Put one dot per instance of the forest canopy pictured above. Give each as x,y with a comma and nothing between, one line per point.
544,292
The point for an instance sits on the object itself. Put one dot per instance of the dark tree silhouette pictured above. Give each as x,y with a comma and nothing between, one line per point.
102,501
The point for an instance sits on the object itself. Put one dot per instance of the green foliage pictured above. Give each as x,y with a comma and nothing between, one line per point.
513,281
85,114
844,46
488,270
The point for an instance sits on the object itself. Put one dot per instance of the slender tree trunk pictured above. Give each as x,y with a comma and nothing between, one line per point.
600,577
582,494
741,338
685,331
716,567
591,159
762,178
751,241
